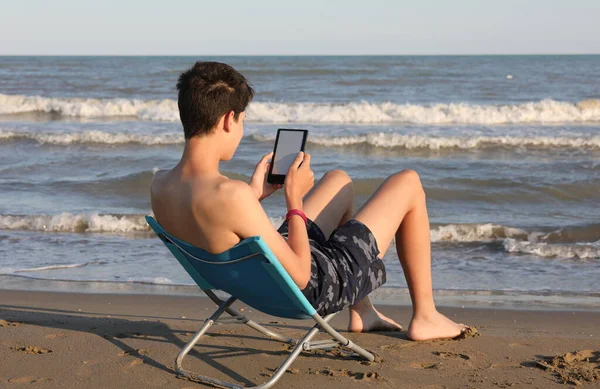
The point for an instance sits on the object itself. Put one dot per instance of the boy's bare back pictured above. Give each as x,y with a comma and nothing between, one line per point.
195,209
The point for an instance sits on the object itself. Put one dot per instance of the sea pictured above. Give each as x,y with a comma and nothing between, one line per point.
507,148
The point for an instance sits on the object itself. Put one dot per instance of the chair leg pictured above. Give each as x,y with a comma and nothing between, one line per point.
338,338
250,323
321,344
189,345
290,359
224,384
345,342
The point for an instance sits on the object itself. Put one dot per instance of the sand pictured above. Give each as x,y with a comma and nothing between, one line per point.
64,340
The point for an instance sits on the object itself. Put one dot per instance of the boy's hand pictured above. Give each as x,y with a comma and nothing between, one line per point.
259,183
299,180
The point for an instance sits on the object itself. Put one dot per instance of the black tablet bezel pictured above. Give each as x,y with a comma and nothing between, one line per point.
280,178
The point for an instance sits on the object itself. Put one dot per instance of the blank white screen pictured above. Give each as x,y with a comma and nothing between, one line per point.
288,147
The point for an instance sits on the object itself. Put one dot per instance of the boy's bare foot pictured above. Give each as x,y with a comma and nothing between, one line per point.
433,326
371,320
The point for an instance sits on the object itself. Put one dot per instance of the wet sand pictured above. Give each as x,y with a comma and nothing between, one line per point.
65,340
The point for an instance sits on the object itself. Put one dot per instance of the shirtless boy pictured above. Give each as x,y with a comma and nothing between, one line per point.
334,257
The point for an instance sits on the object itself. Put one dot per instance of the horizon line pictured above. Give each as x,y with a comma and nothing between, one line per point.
299,55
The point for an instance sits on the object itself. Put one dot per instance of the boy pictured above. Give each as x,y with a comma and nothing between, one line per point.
331,253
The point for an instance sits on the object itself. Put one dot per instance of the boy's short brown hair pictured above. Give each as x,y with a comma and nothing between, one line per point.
207,91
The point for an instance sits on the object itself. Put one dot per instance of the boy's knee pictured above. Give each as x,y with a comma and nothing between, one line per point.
408,178
338,175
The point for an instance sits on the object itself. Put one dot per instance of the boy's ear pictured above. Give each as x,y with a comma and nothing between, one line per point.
228,120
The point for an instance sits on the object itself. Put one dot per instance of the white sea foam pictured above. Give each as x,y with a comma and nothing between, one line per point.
152,280
160,110
68,222
382,140
514,240
100,137
55,267
549,250
392,140
84,222
545,111
475,233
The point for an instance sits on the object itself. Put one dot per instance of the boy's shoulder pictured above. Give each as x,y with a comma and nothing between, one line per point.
157,181
231,191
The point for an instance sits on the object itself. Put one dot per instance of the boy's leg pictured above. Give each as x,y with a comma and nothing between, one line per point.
330,204
398,210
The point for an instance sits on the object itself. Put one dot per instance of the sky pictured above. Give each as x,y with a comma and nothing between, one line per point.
307,27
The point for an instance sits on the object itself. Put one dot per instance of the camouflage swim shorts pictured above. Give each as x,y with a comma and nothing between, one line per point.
344,268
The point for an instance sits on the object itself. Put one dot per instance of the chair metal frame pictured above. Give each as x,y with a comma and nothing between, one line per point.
300,345
304,344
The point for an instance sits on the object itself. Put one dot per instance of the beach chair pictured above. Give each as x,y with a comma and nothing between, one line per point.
249,272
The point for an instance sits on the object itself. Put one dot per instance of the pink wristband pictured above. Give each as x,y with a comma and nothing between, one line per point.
298,212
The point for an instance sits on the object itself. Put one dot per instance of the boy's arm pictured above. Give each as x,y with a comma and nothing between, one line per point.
247,218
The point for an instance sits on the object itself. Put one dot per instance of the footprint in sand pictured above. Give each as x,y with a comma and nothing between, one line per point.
271,370
448,354
574,368
140,352
6,323
395,346
32,350
357,375
378,359
134,335
139,356
426,365
368,376
28,380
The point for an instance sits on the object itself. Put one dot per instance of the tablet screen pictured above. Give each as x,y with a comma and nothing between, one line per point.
288,146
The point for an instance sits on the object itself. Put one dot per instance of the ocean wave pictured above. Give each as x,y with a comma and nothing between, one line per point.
68,222
83,222
151,280
56,267
416,142
575,242
475,233
571,242
551,250
376,140
487,232
159,110
92,137
560,243
545,111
